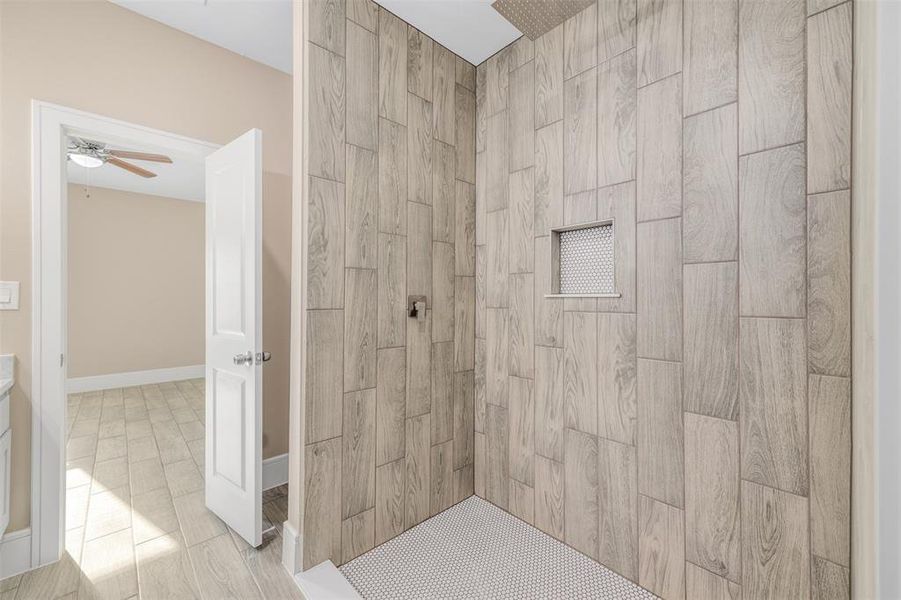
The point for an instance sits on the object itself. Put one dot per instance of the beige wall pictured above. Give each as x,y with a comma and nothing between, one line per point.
694,434
136,282
391,210
157,77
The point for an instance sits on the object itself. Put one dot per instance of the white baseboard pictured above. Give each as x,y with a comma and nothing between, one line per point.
275,471
94,383
291,550
325,582
15,553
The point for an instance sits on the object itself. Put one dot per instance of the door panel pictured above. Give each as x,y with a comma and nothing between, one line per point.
233,465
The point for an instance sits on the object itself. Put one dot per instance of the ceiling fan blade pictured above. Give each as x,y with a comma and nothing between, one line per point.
140,156
130,167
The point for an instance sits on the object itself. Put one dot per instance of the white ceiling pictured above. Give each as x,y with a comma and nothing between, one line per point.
183,179
257,29
469,28
261,29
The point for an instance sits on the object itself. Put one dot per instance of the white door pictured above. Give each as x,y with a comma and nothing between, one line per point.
234,352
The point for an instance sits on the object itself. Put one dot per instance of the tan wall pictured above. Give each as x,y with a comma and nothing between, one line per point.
615,424
157,77
136,282
391,210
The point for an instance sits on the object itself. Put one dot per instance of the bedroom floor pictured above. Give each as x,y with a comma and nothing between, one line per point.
136,524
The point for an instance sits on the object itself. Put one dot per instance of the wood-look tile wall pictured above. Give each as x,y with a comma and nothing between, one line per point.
391,212
693,434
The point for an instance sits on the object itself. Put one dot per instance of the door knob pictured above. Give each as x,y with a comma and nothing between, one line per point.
263,357
243,359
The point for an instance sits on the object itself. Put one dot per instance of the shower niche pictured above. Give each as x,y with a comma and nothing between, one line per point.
583,262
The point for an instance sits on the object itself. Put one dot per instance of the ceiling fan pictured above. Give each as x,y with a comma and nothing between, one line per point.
91,154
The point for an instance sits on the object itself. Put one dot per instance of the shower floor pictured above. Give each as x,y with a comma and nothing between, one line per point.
476,550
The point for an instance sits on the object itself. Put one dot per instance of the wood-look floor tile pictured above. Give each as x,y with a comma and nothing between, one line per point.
110,475
152,515
147,475
183,477
108,512
197,523
108,567
164,568
220,570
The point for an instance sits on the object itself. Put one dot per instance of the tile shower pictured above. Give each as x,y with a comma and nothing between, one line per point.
690,433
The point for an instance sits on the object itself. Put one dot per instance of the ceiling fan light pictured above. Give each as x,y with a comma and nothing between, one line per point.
85,160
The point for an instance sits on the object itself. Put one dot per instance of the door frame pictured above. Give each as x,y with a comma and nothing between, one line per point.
50,124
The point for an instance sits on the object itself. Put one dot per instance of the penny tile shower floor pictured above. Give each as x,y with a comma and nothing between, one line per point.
476,550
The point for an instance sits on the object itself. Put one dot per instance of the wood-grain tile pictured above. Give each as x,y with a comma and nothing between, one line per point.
362,87
618,507
361,208
774,543
659,147
108,567
360,325
466,74
522,430
581,492
704,584
481,292
549,77
829,283
463,483
480,464
222,573
419,365
772,210
829,404
712,520
580,33
580,375
442,409
463,419
481,107
711,340
522,501
661,550
443,193
392,298
164,568
548,178
441,495
322,502
419,150
182,477
548,311
497,163
420,49
443,94
659,39
710,69
710,185
617,202
771,102
497,357
358,453
465,229
549,402
364,13
521,51
616,119
521,213
815,6
617,371
464,323
327,27
660,289
153,513
442,296
465,133
829,50
324,381
580,101
498,270
829,581
197,523
773,394
549,496
326,150
521,326
357,535
497,463
391,405
660,431
392,67
389,500
497,79
325,244
392,177
616,28
418,473
522,117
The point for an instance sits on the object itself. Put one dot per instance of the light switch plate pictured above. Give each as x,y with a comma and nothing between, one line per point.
9,295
